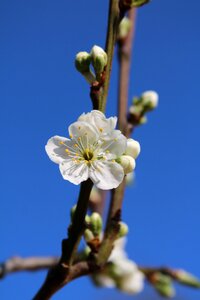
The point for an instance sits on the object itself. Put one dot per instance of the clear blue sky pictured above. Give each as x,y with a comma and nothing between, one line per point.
41,94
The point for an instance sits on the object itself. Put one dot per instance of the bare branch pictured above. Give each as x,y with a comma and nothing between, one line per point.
16,263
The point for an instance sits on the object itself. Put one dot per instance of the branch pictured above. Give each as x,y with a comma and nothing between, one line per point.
114,216
15,264
114,18
60,274
124,57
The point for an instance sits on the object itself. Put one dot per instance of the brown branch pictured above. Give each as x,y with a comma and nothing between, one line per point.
114,216
59,275
114,18
16,263
124,56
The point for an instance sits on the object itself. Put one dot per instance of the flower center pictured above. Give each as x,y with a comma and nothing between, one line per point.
88,154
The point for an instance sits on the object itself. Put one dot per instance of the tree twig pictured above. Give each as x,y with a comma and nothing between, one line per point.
59,275
114,216
16,264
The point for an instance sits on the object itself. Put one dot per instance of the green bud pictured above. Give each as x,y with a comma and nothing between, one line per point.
137,3
88,235
86,251
72,212
164,286
87,219
123,231
143,120
96,224
127,4
186,278
99,59
124,28
82,62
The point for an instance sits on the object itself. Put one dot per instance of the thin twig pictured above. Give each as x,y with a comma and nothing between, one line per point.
16,264
114,18
114,216
124,56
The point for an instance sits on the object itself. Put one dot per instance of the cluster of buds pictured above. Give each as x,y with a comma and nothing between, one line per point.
162,281
127,160
97,58
147,102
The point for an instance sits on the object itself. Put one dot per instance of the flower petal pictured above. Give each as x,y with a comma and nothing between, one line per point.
55,148
106,175
115,143
102,124
74,172
84,131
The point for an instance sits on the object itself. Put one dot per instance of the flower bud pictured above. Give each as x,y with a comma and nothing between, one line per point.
72,212
163,285
127,162
186,278
133,148
96,223
99,59
123,231
150,99
82,62
88,235
124,28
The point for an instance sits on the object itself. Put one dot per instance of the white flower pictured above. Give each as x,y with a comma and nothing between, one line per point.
91,151
150,98
124,273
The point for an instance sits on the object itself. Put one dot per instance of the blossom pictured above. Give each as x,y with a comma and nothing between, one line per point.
92,151
123,273
150,98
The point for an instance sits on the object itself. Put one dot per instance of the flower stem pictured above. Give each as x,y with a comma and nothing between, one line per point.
114,215
114,18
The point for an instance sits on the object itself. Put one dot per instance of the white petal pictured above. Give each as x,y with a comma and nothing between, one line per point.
84,131
102,124
106,175
74,172
115,143
55,148
104,280
133,283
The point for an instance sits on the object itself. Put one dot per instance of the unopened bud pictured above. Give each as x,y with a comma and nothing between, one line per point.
186,278
164,286
82,62
123,231
88,235
127,4
99,59
124,28
133,148
72,212
150,99
96,223
127,162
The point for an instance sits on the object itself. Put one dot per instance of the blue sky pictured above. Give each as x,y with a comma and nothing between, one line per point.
41,94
